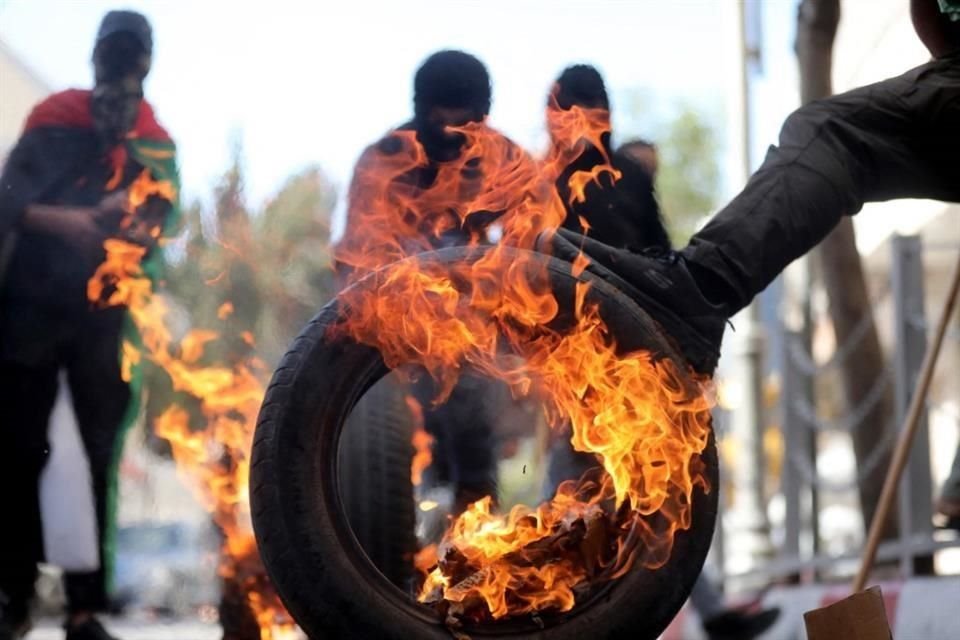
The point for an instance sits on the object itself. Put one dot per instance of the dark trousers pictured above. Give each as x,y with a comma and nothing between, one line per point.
566,463
89,354
464,447
893,139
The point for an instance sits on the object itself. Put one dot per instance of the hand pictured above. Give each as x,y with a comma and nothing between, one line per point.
81,229
661,283
146,224
112,209
116,201
77,227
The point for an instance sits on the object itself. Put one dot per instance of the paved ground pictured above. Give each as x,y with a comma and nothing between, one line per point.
136,630
917,609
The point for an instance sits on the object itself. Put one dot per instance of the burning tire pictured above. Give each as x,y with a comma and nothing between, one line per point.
319,568
377,494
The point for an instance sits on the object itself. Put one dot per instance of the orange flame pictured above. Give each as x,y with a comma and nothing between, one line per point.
421,441
635,412
211,450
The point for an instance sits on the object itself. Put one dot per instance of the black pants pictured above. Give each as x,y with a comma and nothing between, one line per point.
89,353
894,139
464,447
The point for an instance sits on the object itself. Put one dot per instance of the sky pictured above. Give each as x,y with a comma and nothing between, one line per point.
312,83
303,83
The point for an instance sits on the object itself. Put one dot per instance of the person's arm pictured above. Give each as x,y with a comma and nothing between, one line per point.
24,178
57,219
899,138
31,169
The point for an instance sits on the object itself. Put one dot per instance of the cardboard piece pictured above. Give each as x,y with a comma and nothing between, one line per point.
861,616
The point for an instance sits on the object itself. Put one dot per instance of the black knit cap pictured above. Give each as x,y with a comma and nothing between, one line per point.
452,79
127,22
581,85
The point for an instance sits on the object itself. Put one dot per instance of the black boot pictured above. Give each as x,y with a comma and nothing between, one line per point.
14,620
89,629
949,511
740,625
661,283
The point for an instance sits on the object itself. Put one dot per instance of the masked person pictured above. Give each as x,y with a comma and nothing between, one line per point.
62,193
621,212
899,138
400,203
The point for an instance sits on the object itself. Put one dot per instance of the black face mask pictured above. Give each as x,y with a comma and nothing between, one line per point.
432,125
118,56
115,106
120,63
440,145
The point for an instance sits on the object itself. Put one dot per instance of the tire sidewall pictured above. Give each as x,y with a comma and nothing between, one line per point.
311,554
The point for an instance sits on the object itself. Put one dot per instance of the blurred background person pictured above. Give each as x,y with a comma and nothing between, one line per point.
450,89
623,213
63,192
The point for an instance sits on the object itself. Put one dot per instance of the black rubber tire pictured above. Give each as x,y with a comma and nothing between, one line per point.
375,486
314,559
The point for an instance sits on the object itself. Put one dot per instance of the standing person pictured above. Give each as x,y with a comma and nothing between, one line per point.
622,211
62,193
625,213
394,211
618,211
898,138
948,505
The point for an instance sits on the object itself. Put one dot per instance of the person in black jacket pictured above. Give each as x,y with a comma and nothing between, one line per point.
618,211
62,193
898,138
451,89
632,200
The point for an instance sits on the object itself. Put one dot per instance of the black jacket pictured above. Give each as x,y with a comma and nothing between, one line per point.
622,213
58,160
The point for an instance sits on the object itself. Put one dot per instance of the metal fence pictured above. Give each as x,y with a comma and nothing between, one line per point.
802,485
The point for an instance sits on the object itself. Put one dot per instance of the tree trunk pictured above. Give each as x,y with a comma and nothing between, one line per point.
843,275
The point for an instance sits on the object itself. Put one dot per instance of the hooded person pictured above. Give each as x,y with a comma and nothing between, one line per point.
621,212
618,204
63,191
393,207
399,204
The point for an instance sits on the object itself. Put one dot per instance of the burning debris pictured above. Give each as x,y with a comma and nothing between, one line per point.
214,454
645,421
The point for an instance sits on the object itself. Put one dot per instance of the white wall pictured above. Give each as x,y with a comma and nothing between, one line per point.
21,89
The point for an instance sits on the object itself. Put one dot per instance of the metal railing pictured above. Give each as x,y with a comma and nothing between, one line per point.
803,486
